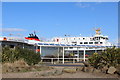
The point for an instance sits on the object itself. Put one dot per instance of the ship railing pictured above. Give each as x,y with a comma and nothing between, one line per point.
66,45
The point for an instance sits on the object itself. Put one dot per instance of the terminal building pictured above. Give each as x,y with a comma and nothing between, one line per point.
61,49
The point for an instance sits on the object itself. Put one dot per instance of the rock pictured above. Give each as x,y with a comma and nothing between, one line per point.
37,74
37,65
118,70
50,73
96,70
69,70
58,72
79,68
90,69
20,69
111,70
104,69
5,69
84,69
47,74
9,70
86,64
33,69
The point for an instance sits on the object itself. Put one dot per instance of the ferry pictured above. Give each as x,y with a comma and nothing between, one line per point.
62,48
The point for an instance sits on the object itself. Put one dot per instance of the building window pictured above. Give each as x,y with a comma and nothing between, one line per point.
81,43
90,42
101,42
71,47
11,46
96,42
85,42
83,38
66,47
38,47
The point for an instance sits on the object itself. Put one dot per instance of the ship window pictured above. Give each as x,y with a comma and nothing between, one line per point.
96,42
101,42
106,38
83,38
91,39
90,42
103,38
99,38
74,42
81,43
85,42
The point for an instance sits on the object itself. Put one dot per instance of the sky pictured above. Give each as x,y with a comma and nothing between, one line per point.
56,19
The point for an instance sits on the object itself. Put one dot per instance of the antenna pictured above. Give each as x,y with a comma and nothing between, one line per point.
34,32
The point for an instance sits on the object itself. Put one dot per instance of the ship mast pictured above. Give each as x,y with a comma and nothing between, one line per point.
98,31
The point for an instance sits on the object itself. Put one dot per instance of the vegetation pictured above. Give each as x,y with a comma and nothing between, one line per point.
109,57
11,55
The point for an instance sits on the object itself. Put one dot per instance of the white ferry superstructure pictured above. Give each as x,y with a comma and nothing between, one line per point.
60,46
97,39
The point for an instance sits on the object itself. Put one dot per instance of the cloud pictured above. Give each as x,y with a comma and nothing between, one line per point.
85,4
82,5
11,29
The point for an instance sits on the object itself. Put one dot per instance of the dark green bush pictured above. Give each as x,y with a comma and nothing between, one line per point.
94,60
109,57
11,55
